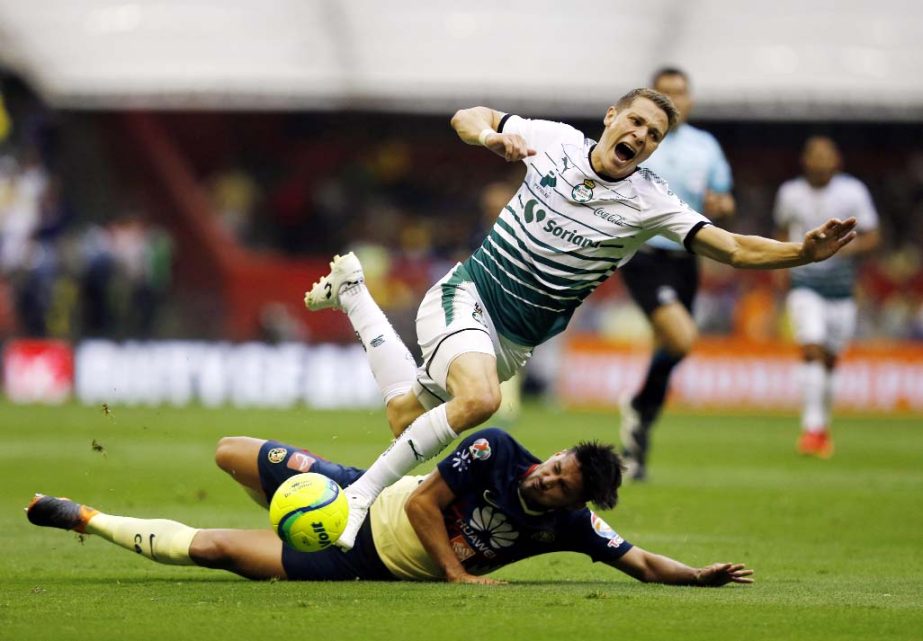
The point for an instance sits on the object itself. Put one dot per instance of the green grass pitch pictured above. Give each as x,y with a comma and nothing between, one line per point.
837,545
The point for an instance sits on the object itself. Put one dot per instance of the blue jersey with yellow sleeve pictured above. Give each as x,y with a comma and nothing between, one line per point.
488,523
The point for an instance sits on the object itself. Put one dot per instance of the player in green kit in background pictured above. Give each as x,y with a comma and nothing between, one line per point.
582,211
820,301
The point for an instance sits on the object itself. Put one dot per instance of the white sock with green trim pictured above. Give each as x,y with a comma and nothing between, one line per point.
393,366
829,384
812,390
421,441
160,540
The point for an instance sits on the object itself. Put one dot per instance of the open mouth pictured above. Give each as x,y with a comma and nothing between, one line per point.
624,152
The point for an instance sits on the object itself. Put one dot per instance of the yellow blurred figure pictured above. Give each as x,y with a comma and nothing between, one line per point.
6,123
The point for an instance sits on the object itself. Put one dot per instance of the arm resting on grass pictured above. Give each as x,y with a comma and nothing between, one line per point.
424,510
656,568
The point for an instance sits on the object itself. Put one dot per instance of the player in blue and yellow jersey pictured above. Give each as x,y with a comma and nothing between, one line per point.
663,277
583,210
486,505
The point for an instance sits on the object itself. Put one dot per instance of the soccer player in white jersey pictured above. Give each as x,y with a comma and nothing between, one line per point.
663,277
582,211
820,300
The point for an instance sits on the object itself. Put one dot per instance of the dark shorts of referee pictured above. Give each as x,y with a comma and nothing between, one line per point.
657,277
277,462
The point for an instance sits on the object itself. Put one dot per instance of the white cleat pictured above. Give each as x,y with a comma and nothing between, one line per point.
345,273
633,434
630,423
358,510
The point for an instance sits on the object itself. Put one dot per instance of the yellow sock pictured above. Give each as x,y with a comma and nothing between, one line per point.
160,540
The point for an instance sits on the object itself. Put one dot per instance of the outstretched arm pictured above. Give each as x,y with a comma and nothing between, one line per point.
478,126
757,252
656,568
424,510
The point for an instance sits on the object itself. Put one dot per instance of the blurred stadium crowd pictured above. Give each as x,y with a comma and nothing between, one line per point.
84,252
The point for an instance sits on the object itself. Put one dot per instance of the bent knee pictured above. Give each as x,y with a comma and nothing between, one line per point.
227,452
209,549
674,329
235,454
680,345
677,338
475,407
402,411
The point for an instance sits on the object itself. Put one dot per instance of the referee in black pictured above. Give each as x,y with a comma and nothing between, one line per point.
663,276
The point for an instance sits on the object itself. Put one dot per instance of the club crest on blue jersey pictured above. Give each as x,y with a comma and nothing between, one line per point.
277,454
480,450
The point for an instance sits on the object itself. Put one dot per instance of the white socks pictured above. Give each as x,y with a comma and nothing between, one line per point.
829,384
813,377
392,363
157,539
426,437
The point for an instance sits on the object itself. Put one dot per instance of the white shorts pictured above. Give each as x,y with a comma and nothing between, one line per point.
452,321
827,322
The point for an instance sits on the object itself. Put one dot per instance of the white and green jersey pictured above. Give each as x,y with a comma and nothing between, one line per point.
565,231
800,208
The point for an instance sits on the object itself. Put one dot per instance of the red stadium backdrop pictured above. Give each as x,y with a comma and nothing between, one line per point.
739,374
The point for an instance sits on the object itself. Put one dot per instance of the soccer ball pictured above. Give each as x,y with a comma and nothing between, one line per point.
309,512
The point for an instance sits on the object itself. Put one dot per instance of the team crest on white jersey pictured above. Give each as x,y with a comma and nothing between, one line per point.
583,192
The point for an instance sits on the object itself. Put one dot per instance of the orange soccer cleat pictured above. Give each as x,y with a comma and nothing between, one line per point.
50,511
817,444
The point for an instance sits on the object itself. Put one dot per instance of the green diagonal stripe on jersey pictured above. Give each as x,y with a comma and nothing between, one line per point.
501,272
500,282
520,281
449,289
564,267
541,280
